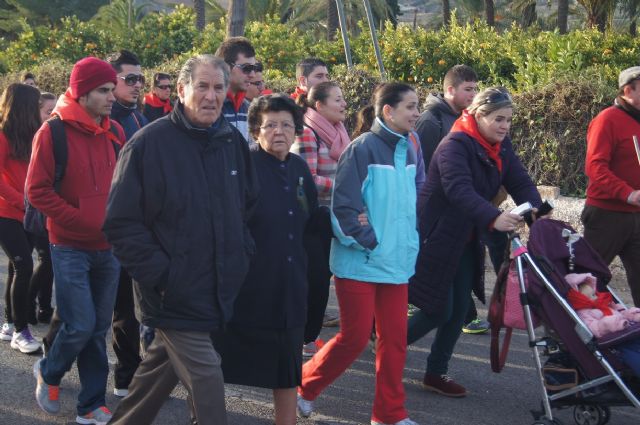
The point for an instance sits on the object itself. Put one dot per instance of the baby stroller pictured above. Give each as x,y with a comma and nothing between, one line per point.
553,251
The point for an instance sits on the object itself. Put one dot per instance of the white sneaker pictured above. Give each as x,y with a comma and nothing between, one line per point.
305,407
24,342
120,392
6,333
405,421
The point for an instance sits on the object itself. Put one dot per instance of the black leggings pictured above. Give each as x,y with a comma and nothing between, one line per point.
42,279
17,245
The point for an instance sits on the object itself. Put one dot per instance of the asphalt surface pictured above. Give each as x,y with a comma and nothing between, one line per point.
504,398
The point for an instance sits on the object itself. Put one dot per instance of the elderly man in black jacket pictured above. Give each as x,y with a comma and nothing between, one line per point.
182,193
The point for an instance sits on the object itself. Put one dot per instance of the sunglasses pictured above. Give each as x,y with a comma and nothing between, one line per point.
132,79
165,86
248,68
257,83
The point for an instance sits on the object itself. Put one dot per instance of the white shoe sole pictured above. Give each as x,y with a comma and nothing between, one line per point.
25,350
83,421
120,392
4,337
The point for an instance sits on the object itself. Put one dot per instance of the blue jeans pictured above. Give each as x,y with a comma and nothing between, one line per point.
449,323
630,353
86,283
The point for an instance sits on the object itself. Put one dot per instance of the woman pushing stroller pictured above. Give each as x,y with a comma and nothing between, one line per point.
455,210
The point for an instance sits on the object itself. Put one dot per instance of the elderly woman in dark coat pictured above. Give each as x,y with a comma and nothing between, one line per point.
262,345
466,172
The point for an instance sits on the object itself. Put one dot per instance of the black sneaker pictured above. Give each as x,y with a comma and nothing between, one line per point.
44,315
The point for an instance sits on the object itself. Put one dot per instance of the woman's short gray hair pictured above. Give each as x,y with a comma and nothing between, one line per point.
490,100
186,73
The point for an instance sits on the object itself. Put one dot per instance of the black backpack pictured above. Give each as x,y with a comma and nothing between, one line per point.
34,220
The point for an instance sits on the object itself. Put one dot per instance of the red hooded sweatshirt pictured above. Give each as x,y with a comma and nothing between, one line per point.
13,173
76,214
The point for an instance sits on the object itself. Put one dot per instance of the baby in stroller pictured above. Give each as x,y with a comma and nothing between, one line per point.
603,316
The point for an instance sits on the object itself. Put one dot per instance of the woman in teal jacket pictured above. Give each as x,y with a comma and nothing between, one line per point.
372,262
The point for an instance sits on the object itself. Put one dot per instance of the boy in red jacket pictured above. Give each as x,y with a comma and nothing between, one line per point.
86,272
611,215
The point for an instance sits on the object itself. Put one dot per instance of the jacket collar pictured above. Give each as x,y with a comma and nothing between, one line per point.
389,136
220,128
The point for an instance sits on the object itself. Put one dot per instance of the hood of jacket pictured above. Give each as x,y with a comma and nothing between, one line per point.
436,102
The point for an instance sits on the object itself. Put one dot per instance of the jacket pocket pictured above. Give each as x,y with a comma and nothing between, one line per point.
93,210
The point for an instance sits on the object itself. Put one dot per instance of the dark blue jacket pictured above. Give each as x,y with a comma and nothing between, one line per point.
274,294
130,118
455,209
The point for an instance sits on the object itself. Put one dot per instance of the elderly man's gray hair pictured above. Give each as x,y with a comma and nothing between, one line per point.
186,73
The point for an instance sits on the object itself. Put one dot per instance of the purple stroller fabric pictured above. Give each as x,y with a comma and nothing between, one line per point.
549,249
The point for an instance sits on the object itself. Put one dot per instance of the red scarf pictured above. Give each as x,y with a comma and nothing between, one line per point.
297,92
579,301
236,99
467,124
154,101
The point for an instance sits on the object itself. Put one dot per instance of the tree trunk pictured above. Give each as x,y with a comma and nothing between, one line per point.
633,14
198,7
598,19
237,18
446,13
529,15
332,19
563,16
490,12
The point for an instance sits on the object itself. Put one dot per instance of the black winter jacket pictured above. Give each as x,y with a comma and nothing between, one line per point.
176,217
434,123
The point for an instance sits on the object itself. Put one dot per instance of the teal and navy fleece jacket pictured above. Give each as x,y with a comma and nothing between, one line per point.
376,173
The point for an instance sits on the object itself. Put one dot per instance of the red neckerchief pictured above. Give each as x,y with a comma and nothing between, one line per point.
297,92
236,99
579,301
154,101
467,124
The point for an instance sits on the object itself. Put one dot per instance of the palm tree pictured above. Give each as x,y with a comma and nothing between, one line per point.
237,17
563,16
490,12
446,13
631,10
598,12
526,9
198,7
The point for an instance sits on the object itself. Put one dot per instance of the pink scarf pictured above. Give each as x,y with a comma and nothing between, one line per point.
335,136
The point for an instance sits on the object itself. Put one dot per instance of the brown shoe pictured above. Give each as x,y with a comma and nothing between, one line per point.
443,384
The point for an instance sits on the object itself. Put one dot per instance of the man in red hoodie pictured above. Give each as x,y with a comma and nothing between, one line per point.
611,215
85,269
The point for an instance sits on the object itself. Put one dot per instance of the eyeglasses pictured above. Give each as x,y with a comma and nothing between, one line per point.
165,86
257,83
248,68
272,126
132,79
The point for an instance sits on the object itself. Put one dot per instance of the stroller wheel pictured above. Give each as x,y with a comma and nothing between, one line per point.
591,415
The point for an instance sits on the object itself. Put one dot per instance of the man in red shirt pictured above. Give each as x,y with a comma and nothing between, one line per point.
85,269
611,215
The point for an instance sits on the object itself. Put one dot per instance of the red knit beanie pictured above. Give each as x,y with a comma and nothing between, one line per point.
89,73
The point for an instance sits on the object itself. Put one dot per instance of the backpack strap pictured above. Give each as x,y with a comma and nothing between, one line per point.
116,146
60,148
60,151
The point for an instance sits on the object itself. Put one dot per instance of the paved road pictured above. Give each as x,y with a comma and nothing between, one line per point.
494,399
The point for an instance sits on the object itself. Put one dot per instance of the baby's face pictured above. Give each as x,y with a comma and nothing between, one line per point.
587,290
